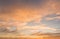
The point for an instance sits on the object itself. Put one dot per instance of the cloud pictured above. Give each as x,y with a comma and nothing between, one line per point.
23,13
28,30
52,17
52,20
20,11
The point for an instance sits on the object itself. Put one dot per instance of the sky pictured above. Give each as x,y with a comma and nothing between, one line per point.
31,16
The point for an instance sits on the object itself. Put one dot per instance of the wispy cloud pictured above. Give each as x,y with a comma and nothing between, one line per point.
28,30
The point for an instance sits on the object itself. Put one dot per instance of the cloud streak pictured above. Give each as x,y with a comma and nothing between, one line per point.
28,30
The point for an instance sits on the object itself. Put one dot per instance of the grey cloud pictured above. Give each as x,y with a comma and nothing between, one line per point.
52,23
7,6
53,15
33,23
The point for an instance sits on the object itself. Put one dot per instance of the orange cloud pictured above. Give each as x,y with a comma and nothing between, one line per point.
26,14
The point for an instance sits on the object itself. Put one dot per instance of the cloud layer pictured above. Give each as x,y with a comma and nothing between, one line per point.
31,15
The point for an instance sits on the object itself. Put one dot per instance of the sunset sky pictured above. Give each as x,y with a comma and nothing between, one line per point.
31,16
